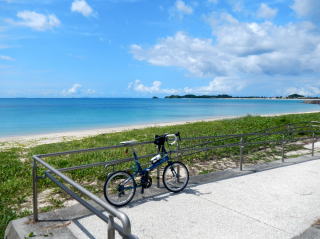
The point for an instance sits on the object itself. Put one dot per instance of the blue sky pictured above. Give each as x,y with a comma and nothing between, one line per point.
142,48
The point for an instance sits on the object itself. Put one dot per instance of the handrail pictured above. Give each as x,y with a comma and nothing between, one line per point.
183,139
90,149
124,160
125,230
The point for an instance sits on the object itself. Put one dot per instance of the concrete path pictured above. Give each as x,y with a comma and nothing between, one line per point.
277,203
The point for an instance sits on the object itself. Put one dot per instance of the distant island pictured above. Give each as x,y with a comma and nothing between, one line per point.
198,96
224,96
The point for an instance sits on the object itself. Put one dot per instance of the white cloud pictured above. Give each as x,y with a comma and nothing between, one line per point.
154,88
239,48
180,9
238,7
183,8
194,54
73,90
307,8
77,90
81,6
36,21
266,12
249,50
6,58
218,85
90,91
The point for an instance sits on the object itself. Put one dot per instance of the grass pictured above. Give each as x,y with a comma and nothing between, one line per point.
15,174
15,178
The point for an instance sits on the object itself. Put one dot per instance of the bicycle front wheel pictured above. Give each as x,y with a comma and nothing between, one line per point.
119,188
175,177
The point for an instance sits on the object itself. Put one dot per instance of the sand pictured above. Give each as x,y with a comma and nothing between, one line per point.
33,140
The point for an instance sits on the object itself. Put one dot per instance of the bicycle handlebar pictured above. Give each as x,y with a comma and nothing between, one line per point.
176,136
161,139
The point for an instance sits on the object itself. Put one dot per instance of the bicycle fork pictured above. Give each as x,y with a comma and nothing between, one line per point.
176,174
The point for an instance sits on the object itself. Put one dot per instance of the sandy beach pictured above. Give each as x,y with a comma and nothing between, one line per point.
37,139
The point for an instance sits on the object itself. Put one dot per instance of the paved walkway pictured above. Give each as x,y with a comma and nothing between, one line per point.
277,203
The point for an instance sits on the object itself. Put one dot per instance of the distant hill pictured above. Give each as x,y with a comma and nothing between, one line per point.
215,96
198,96
295,96
224,96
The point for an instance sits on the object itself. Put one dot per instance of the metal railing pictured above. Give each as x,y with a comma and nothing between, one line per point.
124,229
243,140
285,135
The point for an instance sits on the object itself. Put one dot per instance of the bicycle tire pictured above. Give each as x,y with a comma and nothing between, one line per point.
170,179
116,194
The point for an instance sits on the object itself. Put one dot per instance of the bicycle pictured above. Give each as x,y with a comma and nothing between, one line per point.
120,186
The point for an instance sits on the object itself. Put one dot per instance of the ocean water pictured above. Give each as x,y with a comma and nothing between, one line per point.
37,116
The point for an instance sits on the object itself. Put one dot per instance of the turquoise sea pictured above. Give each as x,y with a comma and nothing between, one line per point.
37,116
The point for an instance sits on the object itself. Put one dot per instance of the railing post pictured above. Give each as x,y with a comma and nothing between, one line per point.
111,231
241,152
282,152
158,177
179,155
35,190
313,141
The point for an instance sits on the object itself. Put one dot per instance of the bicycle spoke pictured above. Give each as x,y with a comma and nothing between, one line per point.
119,188
175,177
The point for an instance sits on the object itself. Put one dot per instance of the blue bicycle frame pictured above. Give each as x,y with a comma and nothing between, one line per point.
141,171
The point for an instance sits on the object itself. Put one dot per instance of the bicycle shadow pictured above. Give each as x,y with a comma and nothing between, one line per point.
164,195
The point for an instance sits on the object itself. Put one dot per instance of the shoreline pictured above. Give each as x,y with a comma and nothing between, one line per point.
47,138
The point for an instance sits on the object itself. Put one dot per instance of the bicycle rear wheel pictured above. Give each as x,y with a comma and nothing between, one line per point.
119,188
175,177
